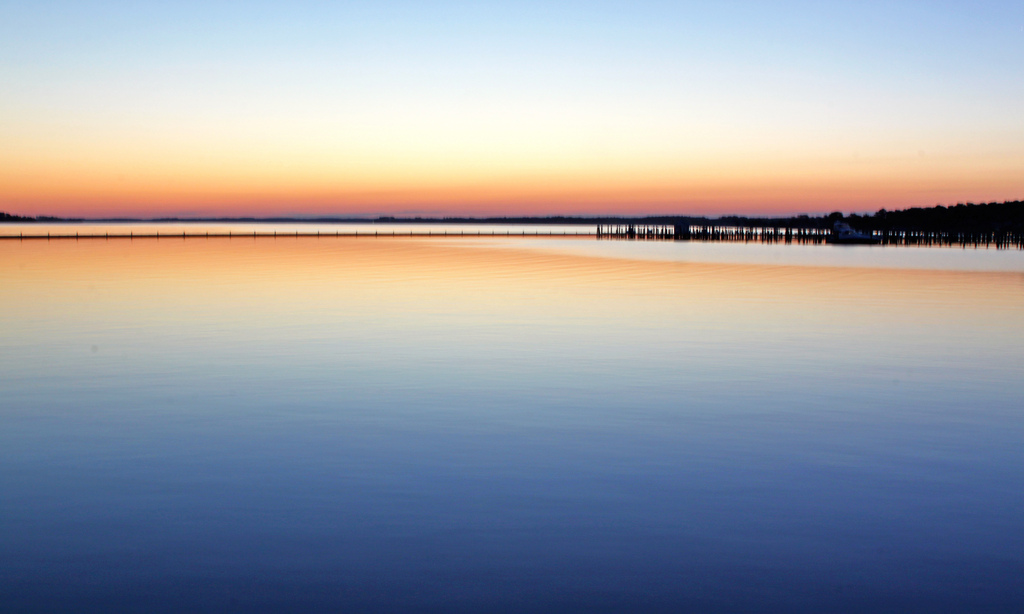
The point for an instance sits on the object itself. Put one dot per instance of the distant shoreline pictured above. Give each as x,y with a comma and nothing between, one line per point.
1007,216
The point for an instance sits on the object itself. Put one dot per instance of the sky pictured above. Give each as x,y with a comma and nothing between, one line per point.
150,109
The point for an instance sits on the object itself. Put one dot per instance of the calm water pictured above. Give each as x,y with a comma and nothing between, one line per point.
509,425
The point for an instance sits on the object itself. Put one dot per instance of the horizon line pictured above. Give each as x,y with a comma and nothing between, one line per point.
581,218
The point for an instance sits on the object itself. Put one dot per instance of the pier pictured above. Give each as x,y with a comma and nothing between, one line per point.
803,235
999,240
710,232
642,231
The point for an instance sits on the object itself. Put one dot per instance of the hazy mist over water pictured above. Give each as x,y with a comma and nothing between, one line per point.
406,424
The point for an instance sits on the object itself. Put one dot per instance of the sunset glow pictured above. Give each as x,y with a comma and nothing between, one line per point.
129,109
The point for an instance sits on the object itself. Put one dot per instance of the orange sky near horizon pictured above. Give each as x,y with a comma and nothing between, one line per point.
152,184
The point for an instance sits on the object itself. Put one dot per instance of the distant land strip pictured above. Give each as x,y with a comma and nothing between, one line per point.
1004,217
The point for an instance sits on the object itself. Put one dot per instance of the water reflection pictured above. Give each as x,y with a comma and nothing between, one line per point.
415,424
